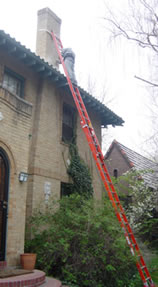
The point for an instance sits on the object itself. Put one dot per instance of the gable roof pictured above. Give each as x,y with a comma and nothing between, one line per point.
139,162
51,73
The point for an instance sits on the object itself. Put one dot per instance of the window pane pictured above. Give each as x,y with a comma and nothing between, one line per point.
5,80
13,83
67,134
68,115
68,124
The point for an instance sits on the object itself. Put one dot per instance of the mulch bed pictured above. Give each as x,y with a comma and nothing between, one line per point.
8,272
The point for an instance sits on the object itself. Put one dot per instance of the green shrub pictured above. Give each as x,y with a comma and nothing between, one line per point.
81,243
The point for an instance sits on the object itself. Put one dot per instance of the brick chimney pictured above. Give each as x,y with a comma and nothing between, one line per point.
47,20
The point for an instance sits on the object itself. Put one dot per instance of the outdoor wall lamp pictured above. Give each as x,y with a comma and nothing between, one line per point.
23,176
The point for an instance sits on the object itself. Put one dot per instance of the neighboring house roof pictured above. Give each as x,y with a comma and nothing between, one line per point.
139,162
47,71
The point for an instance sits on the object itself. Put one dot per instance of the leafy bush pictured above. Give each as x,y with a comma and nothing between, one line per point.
142,210
80,242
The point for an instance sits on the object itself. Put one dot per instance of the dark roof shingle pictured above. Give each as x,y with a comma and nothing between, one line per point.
140,163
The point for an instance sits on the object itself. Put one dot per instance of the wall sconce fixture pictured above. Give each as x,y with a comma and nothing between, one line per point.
23,176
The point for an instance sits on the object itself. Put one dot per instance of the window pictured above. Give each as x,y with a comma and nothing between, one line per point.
13,82
66,189
115,173
68,123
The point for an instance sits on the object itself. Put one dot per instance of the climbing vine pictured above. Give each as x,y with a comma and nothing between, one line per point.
80,174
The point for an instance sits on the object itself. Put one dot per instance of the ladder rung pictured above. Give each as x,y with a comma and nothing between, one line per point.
148,278
134,244
58,39
122,212
143,267
85,118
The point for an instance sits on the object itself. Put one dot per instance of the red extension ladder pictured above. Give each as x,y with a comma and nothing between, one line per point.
99,160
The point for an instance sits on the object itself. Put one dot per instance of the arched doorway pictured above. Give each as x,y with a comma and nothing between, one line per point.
4,183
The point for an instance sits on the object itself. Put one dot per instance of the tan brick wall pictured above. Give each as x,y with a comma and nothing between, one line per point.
14,139
32,136
14,131
49,159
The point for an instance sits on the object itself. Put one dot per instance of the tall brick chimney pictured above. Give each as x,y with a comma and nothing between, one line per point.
47,20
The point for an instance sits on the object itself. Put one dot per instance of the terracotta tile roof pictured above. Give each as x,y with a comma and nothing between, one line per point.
47,71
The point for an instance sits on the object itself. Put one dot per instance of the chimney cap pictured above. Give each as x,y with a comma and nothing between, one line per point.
49,11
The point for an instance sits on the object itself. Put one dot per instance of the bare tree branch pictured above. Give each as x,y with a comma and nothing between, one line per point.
146,81
123,32
139,24
140,27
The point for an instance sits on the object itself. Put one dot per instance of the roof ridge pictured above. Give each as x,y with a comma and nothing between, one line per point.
135,152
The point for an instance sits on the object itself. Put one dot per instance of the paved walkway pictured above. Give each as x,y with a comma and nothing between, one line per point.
51,282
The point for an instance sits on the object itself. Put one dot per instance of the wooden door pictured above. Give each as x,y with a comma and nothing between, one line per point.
4,177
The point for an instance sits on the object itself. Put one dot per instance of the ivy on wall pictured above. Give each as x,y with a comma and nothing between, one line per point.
80,174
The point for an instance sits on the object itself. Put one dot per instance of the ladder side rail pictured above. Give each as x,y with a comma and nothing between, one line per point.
129,236
95,148
92,135
87,128
117,213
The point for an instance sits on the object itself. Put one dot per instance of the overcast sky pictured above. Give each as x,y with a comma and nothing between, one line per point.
110,65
